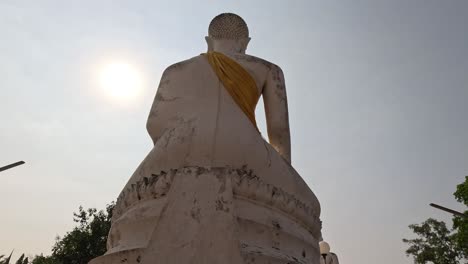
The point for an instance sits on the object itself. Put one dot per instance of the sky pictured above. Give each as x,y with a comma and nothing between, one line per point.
377,94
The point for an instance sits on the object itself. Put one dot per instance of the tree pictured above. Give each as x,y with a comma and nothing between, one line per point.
85,242
21,260
5,260
436,243
460,224
44,260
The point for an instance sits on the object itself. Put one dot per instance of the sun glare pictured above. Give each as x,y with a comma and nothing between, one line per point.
120,81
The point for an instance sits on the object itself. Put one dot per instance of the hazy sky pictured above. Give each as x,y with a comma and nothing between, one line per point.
378,97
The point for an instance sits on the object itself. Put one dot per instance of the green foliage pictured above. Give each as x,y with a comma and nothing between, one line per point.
5,260
85,242
21,260
461,194
436,243
433,245
44,260
460,224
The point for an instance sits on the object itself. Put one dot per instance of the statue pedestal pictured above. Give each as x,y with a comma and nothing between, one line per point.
211,215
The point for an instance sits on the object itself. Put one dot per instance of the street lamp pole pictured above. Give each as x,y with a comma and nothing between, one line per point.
11,165
448,210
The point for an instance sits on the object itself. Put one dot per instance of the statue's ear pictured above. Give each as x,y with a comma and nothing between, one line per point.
209,42
244,43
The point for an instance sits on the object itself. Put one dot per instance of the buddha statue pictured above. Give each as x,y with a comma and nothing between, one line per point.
327,256
212,189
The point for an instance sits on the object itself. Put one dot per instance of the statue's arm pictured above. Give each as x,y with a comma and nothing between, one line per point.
153,125
276,111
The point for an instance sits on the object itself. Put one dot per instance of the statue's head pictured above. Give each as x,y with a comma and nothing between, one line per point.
228,31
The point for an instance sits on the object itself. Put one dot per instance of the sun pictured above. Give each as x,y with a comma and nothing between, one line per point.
120,81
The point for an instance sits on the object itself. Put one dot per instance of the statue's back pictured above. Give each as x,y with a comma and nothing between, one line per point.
212,190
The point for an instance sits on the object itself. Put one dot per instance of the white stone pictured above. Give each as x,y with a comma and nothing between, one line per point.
212,190
327,256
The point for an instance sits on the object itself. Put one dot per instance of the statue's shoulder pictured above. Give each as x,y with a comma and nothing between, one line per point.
253,59
183,65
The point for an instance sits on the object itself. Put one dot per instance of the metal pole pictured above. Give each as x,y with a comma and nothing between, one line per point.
448,210
12,165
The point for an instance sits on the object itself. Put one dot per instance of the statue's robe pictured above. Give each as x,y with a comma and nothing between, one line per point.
212,190
330,258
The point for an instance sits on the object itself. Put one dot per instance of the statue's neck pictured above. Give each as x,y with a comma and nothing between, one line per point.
229,51
227,48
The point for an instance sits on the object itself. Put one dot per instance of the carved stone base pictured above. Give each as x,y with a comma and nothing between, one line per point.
211,215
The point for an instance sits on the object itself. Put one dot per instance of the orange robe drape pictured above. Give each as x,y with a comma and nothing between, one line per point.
237,81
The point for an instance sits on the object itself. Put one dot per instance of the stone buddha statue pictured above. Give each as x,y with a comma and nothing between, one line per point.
212,189
327,256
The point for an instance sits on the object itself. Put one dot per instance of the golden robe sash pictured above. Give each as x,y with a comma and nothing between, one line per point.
237,81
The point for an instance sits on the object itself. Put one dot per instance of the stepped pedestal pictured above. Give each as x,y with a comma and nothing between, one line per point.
211,215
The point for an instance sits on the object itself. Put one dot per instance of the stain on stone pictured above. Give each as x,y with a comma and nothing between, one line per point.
276,243
303,253
276,224
249,259
250,58
161,98
221,205
195,214
154,178
201,170
222,180
138,259
273,191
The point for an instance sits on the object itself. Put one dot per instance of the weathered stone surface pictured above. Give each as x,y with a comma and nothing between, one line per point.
212,190
211,215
